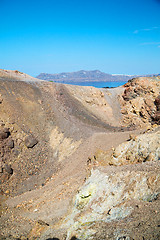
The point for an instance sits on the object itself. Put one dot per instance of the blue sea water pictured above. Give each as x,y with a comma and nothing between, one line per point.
98,84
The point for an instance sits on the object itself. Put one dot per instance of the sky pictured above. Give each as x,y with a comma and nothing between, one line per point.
53,36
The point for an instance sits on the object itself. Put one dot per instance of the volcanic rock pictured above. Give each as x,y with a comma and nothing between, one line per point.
156,116
113,195
30,141
8,169
108,196
157,102
140,102
141,148
10,143
4,133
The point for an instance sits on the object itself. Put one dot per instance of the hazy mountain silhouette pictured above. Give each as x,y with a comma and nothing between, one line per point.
85,76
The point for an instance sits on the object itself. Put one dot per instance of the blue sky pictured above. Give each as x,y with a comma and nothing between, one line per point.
118,36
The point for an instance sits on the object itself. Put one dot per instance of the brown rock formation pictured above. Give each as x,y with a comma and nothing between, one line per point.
138,102
48,135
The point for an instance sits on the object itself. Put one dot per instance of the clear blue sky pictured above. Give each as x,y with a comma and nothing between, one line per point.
117,36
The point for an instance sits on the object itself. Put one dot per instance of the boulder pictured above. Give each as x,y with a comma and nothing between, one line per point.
2,124
10,143
140,102
4,133
30,141
8,169
156,117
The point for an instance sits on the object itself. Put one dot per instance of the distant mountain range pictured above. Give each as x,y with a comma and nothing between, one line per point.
86,76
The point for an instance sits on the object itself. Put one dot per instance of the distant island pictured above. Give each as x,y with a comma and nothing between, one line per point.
86,76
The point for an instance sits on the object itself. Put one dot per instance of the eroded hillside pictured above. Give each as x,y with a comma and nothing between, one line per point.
58,139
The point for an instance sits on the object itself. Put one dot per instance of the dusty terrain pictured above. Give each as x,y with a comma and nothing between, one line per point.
79,162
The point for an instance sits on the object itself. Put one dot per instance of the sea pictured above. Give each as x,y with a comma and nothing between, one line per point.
98,84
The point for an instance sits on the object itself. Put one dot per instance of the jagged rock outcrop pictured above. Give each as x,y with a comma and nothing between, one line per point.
6,146
110,197
156,116
138,102
113,194
137,149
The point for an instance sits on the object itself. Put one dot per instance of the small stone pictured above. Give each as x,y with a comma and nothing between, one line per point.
5,177
156,117
42,223
16,152
2,124
7,192
4,133
30,141
8,169
11,129
19,141
10,143
10,121
132,137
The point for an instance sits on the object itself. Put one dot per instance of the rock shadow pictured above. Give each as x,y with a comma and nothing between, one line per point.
73,238
52,239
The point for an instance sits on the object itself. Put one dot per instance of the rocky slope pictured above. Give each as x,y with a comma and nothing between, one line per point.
113,196
15,75
72,162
